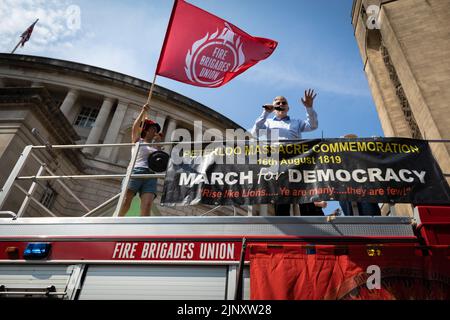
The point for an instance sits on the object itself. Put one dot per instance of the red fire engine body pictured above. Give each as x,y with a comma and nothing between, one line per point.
206,257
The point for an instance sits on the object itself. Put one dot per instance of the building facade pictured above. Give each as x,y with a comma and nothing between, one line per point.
405,48
66,103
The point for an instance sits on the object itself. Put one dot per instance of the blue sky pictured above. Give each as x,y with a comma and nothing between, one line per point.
316,49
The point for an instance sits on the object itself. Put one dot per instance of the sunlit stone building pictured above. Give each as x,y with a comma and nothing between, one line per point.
405,48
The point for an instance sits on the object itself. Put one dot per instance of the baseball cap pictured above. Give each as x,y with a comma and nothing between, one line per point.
149,123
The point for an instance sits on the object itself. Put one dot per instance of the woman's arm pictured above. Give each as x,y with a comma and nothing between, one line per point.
136,129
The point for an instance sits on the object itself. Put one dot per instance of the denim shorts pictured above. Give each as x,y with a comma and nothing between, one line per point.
142,185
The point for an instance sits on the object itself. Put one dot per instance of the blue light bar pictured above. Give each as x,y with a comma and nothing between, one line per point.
37,250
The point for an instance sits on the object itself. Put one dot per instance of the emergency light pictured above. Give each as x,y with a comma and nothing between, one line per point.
36,250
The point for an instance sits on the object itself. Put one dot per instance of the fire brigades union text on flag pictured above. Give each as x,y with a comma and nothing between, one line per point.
203,50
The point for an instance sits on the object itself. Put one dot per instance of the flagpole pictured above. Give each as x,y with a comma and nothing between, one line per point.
25,36
15,48
151,89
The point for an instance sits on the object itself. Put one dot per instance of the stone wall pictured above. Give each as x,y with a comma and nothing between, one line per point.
407,63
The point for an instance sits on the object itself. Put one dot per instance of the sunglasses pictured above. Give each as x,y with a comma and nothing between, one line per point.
280,103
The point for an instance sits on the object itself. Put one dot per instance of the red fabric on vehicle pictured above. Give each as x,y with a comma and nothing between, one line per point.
289,273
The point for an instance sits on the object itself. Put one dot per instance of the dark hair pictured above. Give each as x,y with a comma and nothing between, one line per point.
149,124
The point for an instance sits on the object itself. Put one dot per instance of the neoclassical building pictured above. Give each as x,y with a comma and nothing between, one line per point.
66,103
406,59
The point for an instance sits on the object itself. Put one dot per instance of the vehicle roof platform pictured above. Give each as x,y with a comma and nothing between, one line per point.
233,227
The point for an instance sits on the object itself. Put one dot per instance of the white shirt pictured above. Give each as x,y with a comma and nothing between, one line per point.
288,129
143,154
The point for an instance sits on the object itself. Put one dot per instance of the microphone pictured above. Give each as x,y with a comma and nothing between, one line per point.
268,107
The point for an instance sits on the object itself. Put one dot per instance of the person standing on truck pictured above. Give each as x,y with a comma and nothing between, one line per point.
353,208
145,131
288,129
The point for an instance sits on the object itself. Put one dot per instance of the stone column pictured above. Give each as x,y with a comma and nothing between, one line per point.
113,130
96,131
69,102
115,151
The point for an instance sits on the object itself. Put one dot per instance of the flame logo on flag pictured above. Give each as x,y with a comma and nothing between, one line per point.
211,57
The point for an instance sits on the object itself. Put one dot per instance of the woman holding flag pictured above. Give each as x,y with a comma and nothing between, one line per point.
143,131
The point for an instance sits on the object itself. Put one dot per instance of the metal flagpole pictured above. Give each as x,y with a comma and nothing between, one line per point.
25,36
17,45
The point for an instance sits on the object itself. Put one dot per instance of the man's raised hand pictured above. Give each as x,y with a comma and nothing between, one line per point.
308,100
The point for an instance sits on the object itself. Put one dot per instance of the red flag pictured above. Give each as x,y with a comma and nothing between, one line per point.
204,50
27,33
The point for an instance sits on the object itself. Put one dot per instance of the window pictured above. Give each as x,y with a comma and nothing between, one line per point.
86,117
48,197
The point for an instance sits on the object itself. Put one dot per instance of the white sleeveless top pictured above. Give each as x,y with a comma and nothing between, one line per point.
143,154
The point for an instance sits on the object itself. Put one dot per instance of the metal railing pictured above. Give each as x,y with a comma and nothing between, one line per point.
43,168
